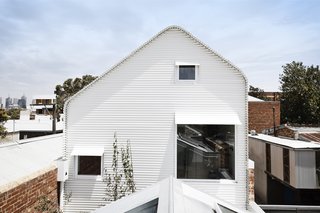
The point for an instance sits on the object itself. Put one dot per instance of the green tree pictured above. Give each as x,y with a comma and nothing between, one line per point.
257,92
300,99
3,118
69,88
14,113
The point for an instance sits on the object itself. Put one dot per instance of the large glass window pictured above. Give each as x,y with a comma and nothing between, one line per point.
205,151
89,165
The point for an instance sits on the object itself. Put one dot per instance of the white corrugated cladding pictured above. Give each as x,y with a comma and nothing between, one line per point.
139,99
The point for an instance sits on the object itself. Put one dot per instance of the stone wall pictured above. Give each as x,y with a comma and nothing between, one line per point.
26,196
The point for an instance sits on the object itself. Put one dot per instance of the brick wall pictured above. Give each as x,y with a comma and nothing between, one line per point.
24,197
251,184
261,115
285,132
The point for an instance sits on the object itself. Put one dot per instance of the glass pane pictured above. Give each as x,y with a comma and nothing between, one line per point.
225,209
89,165
187,73
150,207
205,151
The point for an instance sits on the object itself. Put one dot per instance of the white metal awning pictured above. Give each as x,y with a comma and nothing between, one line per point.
92,151
230,119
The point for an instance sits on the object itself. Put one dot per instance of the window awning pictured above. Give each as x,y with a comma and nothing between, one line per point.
180,63
229,119
93,151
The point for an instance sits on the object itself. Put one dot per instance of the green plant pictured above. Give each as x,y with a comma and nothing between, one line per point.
117,186
46,205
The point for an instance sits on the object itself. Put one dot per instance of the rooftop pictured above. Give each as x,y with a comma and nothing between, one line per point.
41,123
20,161
294,144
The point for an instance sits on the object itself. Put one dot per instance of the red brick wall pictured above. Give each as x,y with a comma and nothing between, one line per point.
24,197
261,115
251,184
285,132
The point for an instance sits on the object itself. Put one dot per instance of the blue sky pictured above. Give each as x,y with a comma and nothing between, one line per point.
44,42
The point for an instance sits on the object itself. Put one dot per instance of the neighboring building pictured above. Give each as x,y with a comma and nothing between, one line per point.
272,96
8,102
263,114
309,134
182,106
28,172
287,172
43,104
22,102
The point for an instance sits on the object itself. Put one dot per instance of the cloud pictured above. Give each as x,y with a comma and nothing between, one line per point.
45,42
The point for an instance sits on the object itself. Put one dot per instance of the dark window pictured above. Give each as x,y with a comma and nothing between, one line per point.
89,165
225,209
150,207
187,72
268,158
286,165
205,151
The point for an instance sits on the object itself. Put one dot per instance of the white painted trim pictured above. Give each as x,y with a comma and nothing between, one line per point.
190,81
92,177
93,151
205,119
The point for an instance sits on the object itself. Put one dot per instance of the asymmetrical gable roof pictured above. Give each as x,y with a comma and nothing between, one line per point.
173,27
170,195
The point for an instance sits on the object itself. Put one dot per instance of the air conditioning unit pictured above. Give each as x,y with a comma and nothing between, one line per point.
63,169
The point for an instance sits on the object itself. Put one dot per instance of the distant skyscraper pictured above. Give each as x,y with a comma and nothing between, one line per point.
23,102
1,106
8,102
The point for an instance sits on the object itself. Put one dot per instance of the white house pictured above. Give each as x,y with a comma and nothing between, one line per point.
184,109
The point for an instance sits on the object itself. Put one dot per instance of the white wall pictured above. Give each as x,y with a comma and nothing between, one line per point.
276,161
139,99
305,169
257,153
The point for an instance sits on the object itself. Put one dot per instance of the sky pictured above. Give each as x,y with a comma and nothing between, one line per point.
45,42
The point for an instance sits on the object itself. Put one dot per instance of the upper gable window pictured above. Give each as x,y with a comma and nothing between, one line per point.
187,72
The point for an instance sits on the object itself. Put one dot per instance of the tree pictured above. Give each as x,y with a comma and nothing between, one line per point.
300,101
14,113
117,187
69,88
257,92
3,118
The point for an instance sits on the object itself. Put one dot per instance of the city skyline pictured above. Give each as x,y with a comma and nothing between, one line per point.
44,43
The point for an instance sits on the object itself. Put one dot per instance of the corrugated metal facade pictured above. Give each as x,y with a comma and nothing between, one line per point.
138,99
306,169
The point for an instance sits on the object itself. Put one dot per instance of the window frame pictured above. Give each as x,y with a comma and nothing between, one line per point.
224,181
186,81
94,177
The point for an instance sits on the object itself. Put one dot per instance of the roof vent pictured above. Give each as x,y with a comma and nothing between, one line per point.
253,132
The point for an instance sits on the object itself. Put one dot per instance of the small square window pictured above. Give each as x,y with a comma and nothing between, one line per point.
89,165
187,72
